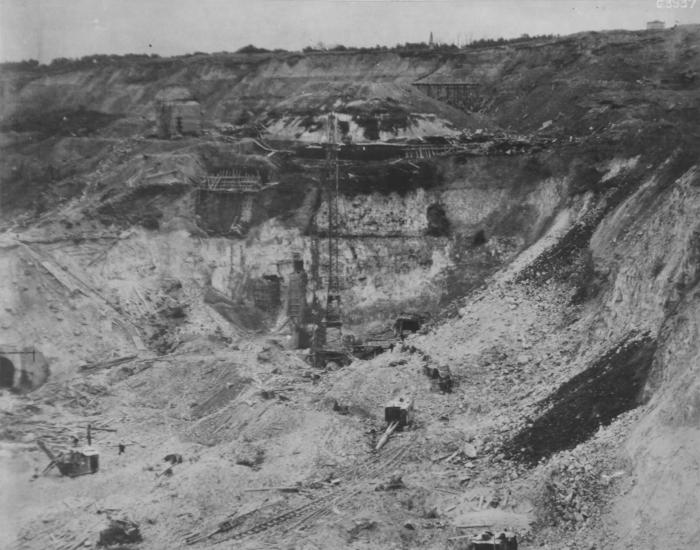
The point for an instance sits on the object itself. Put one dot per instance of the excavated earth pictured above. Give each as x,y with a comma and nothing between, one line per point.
553,245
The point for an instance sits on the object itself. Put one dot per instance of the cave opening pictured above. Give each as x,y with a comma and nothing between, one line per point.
479,238
407,324
438,224
7,373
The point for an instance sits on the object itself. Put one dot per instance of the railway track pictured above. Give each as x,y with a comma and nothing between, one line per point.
357,477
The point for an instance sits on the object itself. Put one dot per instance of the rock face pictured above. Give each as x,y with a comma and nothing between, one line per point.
654,285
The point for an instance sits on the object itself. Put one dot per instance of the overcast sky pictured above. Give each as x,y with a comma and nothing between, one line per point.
46,29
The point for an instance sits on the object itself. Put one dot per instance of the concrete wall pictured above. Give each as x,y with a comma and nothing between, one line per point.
178,118
31,370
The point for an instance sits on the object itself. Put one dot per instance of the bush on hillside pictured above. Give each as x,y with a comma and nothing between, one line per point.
252,49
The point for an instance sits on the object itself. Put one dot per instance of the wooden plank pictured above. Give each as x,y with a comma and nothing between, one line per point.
390,430
151,176
107,364
287,489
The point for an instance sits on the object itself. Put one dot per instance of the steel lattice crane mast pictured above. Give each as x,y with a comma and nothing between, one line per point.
332,317
328,341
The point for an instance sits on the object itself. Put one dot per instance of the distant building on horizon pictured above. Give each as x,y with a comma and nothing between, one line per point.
656,25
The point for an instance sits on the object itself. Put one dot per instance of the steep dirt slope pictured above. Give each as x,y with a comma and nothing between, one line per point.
230,88
654,266
642,287
596,80
525,360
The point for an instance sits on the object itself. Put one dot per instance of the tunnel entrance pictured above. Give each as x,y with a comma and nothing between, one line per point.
407,324
438,224
7,373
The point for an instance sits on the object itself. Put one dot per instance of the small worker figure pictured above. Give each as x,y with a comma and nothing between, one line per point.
89,435
75,441
122,448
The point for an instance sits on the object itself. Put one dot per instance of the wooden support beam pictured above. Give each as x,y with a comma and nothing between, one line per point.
390,430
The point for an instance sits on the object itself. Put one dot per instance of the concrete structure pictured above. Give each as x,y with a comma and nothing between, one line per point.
296,302
656,25
177,113
22,369
179,118
267,293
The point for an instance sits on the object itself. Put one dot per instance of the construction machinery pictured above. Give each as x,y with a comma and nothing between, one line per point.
327,341
73,462
487,540
398,413
440,377
399,410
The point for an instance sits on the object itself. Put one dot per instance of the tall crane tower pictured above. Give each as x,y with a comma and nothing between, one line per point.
332,318
328,343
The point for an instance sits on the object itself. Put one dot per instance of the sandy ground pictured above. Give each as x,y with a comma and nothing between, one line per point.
250,416
277,454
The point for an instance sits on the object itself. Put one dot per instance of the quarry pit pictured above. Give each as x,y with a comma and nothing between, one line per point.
235,261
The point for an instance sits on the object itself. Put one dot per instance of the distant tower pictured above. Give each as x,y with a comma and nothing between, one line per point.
430,42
